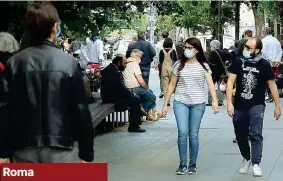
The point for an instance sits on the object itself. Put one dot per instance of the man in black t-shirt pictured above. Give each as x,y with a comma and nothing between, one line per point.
251,73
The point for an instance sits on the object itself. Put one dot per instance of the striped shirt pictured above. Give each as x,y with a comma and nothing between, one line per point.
190,87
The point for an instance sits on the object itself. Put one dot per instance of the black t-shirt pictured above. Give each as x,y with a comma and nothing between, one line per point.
251,82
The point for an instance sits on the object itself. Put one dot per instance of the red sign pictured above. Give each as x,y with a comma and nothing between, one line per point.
54,172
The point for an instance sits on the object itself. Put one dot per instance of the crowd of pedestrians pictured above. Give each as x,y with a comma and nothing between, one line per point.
44,108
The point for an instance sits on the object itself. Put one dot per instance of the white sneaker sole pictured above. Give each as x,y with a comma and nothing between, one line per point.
257,175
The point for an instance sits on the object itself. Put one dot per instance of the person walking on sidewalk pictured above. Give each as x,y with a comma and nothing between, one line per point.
272,52
47,103
148,54
217,59
251,74
158,65
167,57
188,77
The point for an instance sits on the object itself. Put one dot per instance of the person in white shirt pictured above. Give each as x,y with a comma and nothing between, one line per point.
158,66
94,49
134,81
272,52
271,47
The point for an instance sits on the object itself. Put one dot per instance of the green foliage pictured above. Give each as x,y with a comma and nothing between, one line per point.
165,23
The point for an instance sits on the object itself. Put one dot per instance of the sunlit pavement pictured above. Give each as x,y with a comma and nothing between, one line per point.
153,156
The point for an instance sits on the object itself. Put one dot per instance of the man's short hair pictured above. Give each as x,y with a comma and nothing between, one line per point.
40,19
266,30
258,44
249,33
141,35
136,52
117,59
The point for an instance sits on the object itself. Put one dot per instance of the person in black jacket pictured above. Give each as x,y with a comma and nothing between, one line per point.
147,57
113,90
47,103
217,59
8,46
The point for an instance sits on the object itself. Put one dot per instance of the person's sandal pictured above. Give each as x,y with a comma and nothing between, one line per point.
143,112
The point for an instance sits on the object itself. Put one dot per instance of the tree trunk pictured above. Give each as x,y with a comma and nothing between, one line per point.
237,20
259,18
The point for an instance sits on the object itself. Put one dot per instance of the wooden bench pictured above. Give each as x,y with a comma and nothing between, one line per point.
104,117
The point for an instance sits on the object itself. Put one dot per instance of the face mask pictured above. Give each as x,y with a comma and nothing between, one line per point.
189,53
222,87
246,54
58,31
121,68
139,60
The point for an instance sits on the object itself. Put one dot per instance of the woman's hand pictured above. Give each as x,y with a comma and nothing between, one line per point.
215,107
164,111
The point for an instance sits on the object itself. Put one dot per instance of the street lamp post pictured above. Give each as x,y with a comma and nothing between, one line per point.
151,20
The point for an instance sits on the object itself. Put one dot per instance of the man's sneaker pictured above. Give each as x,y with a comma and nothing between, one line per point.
245,167
257,171
235,140
161,95
181,170
192,171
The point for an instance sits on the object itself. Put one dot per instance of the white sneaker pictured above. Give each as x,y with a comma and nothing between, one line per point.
257,170
245,167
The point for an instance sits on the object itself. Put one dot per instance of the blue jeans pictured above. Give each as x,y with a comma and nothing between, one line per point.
147,98
145,73
188,119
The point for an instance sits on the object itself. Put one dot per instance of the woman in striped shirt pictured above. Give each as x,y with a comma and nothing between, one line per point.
188,77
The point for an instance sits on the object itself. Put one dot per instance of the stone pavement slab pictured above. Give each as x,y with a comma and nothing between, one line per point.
154,154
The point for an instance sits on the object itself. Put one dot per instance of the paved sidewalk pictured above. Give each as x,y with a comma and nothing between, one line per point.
154,154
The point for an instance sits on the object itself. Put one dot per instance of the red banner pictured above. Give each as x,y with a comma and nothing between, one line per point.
54,172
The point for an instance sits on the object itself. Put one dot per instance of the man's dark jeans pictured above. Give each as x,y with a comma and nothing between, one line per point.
133,103
249,123
145,73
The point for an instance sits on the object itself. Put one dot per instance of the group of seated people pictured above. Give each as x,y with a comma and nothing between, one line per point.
123,85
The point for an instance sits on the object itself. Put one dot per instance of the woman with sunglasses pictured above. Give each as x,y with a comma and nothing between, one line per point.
188,77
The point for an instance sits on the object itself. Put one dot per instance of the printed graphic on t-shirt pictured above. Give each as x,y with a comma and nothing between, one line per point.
249,82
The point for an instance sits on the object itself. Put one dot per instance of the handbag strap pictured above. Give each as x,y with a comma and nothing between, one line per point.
220,60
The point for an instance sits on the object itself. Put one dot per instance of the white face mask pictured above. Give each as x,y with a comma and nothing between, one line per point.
222,87
139,61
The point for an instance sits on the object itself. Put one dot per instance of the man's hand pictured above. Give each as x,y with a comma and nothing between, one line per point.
4,160
230,109
82,161
274,63
277,113
156,66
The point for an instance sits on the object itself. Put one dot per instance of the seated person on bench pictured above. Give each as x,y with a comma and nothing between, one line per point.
114,91
135,83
